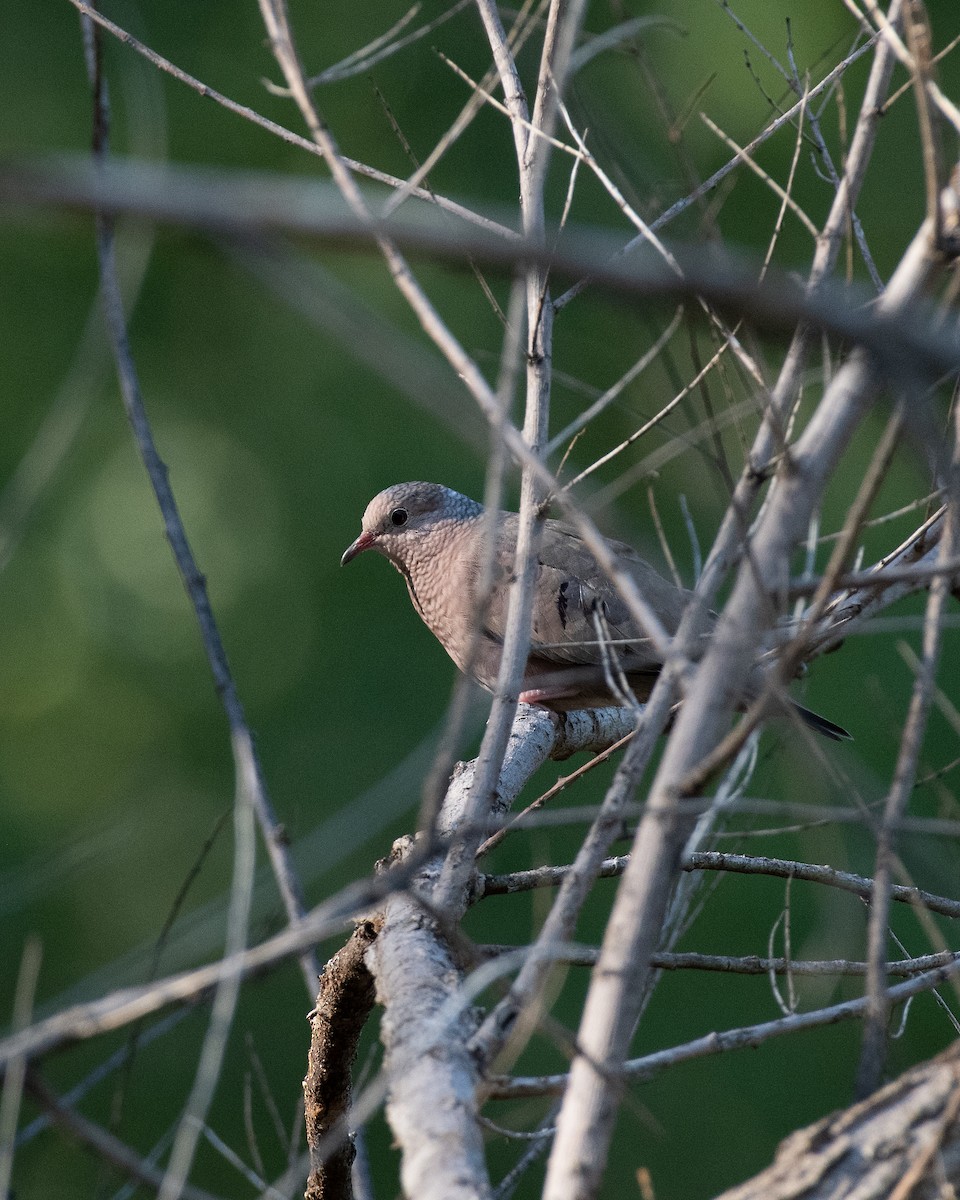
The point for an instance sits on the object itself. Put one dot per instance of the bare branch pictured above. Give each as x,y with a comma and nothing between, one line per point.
873,1050
741,864
748,1036
104,1144
619,982
343,1005
899,1143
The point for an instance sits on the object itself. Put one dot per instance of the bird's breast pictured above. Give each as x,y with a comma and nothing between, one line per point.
442,589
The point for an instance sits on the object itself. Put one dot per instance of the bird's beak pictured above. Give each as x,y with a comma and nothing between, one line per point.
363,542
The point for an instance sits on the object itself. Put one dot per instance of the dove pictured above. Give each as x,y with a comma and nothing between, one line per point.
586,648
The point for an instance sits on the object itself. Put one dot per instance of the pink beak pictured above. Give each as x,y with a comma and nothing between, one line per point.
363,542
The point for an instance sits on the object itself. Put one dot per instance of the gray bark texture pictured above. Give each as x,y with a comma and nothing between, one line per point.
901,1143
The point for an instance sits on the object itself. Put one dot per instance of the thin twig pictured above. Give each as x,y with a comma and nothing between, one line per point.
783,195
246,763
741,864
292,139
753,964
889,33
749,1036
873,1047
250,791
121,1008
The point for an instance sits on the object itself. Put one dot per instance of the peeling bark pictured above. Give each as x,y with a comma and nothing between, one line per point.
901,1143
344,1002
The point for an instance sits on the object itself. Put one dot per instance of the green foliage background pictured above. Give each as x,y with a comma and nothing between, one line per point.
114,759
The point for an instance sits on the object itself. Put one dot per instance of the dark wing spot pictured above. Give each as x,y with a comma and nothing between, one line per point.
562,602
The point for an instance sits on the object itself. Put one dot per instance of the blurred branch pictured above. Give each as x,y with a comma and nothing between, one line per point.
250,784
57,434
250,794
104,1144
15,1074
916,26
381,345
116,1061
891,37
126,1005
240,203
293,139
276,21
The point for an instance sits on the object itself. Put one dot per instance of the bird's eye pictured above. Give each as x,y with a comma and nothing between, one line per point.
399,516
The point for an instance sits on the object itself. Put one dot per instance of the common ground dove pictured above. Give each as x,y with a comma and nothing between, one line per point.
435,538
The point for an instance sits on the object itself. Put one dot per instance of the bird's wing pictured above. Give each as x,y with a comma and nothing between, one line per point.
570,588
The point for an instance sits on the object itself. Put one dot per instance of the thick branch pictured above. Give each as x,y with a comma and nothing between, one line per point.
903,1143
344,1002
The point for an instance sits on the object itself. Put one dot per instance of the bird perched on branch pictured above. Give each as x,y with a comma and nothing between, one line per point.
586,650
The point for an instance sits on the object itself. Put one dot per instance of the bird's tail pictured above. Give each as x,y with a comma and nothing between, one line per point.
822,725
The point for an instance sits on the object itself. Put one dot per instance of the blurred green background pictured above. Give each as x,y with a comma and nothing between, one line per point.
277,427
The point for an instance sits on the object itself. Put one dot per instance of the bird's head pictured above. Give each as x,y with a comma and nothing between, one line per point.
398,519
